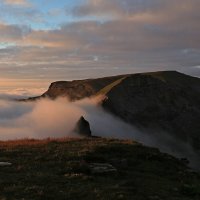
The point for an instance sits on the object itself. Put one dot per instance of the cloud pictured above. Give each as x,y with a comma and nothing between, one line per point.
47,118
20,93
17,2
17,89
37,120
126,36
11,33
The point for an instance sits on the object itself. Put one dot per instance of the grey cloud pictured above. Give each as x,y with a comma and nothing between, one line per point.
141,36
17,2
12,33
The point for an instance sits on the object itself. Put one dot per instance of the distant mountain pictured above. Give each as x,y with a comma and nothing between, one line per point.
166,101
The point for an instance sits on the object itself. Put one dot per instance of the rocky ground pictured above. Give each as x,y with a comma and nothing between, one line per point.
92,168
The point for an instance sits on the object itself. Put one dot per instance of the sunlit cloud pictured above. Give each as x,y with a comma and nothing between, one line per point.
55,42
17,2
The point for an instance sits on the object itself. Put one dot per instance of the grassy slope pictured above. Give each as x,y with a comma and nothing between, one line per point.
58,169
109,87
176,78
165,76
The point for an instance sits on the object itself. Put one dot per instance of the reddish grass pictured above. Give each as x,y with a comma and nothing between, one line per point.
30,142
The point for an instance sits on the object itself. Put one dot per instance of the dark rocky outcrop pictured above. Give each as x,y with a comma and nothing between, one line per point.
83,127
77,89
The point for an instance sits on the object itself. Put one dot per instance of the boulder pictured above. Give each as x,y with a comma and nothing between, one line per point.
83,127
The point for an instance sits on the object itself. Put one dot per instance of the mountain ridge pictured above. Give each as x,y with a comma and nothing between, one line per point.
99,83
93,86
164,102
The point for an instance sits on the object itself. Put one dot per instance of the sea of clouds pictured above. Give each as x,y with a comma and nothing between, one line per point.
56,118
46,118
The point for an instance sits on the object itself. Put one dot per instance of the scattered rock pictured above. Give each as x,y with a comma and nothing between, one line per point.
102,168
83,127
5,164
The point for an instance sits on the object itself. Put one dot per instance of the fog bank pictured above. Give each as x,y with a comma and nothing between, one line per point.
57,118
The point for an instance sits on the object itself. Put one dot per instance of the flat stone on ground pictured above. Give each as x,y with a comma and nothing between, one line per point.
102,168
5,164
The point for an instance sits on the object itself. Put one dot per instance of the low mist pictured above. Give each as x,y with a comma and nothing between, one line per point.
57,118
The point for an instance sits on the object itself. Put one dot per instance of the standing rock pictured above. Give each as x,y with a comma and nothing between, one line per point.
83,127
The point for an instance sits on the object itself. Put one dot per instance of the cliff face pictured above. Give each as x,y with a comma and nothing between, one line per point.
78,89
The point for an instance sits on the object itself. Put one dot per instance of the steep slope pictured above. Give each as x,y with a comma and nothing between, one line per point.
167,101
77,89
177,78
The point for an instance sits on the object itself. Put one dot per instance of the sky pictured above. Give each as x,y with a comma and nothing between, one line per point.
47,40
